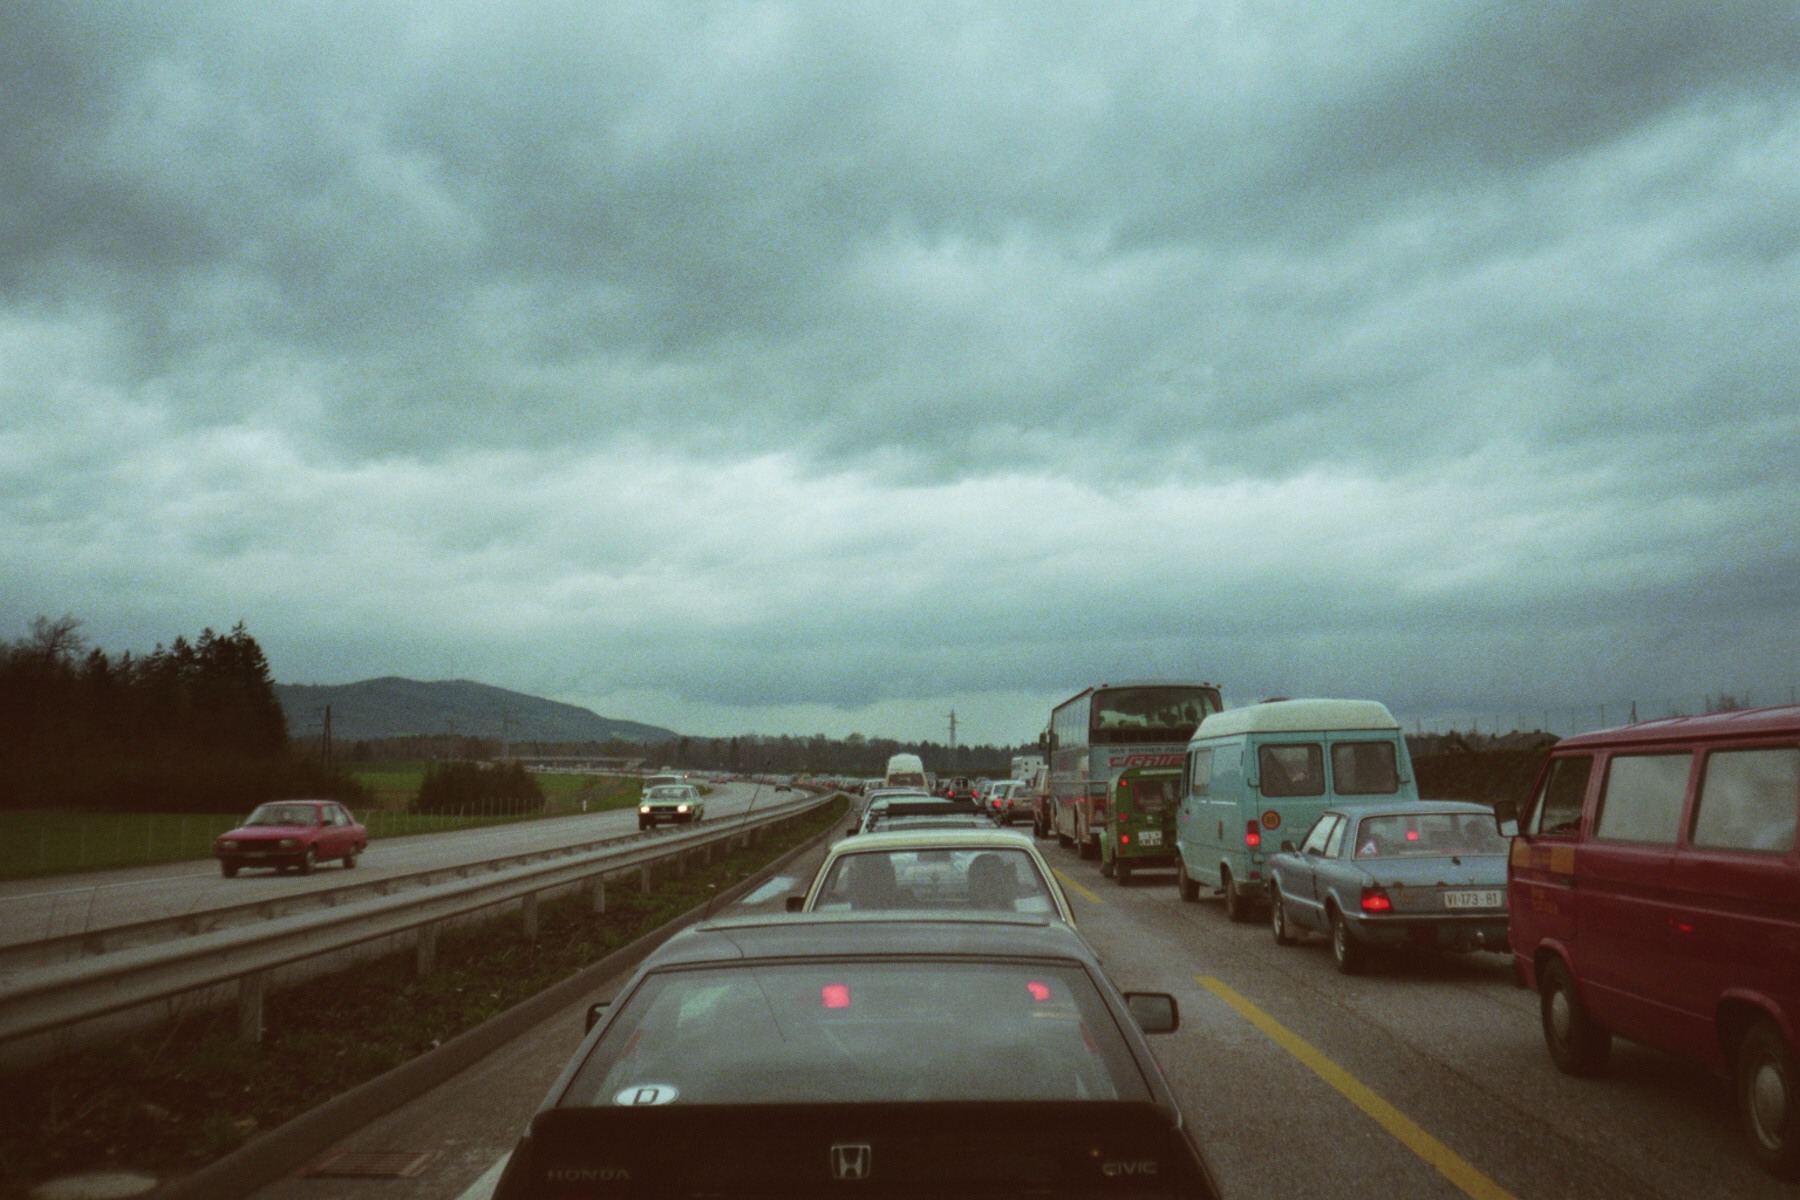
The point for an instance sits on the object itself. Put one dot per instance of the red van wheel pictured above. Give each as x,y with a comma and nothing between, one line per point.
1767,1105
1577,1045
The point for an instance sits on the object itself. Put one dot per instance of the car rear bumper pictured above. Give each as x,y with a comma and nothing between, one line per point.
1460,932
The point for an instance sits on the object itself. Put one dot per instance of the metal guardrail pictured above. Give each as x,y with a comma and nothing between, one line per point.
67,994
110,939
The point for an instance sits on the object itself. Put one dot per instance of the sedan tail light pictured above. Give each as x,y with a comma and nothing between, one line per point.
1375,900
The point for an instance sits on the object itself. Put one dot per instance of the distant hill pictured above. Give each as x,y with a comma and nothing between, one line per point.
392,707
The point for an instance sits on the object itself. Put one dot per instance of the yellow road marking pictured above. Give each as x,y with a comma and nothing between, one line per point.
1079,890
1447,1162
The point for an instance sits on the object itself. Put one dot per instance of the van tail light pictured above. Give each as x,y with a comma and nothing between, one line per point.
1252,834
1374,900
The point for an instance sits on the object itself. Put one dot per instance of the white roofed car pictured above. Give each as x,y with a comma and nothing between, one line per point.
936,870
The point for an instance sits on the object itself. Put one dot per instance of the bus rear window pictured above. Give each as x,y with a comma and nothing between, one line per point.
1151,714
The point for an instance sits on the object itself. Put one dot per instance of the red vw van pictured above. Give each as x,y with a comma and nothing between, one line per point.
1655,895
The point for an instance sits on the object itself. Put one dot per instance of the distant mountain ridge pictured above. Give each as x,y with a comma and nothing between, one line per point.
395,707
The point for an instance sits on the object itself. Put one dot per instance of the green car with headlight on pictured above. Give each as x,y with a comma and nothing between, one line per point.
676,802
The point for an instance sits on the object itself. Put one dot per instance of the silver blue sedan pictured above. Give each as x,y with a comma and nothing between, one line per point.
1401,874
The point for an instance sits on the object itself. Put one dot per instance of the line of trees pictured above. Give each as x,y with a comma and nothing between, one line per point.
191,727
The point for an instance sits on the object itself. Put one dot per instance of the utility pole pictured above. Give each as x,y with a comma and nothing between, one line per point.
325,739
953,740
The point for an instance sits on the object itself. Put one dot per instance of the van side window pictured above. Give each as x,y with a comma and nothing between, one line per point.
1748,800
1320,832
1292,770
1559,804
1364,769
1642,799
1199,772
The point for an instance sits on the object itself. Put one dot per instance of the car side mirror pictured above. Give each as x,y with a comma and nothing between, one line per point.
1154,1012
596,1013
1506,812
796,903
1287,845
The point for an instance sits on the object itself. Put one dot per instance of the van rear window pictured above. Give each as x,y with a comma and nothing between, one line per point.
1643,797
1364,769
1292,770
1748,800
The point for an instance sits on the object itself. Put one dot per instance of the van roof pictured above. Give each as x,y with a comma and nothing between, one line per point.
1293,716
1745,722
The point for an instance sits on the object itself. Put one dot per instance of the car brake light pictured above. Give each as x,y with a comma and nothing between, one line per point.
1412,835
1252,834
1376,900
1040,992
835,995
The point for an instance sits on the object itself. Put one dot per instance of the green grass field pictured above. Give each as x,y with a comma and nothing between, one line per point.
56,843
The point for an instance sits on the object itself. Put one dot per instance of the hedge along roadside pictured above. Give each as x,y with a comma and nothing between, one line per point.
298,1139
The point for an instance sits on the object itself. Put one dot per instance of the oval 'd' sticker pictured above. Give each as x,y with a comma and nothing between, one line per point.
646,1093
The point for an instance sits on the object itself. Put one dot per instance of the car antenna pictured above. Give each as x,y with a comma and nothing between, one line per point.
744,820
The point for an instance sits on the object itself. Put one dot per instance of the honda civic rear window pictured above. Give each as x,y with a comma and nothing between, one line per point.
860,1031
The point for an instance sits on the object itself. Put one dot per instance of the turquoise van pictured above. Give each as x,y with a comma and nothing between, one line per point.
1258,774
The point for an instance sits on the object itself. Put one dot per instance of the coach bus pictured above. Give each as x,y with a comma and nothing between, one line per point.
1103,731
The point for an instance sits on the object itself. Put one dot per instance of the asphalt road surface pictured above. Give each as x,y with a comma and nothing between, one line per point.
1426,1077
33,909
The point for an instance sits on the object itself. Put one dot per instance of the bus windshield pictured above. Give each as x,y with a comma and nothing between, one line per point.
1151,714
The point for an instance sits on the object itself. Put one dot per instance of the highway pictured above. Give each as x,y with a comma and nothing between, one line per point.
1425,1078
34,909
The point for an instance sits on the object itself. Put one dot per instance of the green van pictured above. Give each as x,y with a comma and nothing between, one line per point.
1267,771
1140,822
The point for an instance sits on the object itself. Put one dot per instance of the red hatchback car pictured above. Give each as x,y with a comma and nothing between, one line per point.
1655,895
292,833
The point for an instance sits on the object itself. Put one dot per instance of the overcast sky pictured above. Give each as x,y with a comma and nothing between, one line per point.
794,368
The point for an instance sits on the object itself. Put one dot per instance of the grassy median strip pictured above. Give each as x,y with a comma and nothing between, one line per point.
180,1097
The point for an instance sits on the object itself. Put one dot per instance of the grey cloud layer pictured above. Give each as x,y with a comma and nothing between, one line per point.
1521,280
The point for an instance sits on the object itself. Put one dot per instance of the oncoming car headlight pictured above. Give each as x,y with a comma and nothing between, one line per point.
681,808
288,843
643,808
227,844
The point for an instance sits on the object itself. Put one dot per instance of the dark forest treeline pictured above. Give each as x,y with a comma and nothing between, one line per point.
193,727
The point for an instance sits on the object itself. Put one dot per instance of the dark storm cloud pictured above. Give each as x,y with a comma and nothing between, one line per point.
1321,342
